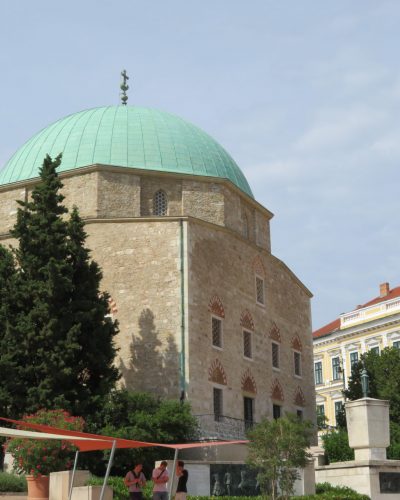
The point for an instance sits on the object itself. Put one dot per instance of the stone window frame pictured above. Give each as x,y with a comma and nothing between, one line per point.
297,366
247,335
278,353
260,290
215,318
218,389
275,407
396,344
160,203
249,422
320,372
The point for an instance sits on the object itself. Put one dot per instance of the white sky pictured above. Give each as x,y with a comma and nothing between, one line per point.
304,94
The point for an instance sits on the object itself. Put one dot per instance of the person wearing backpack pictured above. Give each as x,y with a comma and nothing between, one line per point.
160,479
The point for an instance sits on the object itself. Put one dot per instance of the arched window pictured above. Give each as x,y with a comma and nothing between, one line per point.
160,203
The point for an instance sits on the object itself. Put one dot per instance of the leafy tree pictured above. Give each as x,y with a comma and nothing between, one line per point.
384,378
141,417
276,449
58,343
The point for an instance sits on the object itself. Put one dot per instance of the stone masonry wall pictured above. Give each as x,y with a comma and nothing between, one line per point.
222,264
172,188
141,268
118,195
9,206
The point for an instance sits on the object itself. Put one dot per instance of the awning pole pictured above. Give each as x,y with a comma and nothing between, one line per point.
73,474
171,484
103,489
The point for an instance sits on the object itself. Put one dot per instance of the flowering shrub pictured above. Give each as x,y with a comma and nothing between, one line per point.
42,456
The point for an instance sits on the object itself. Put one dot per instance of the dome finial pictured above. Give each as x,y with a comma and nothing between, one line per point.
124,87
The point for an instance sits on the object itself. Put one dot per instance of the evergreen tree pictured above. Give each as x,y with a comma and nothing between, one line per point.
7,298
59,339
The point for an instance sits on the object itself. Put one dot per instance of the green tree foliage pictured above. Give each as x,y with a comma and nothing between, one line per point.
276,449
336,446
58,343
7,300
384,378
141,417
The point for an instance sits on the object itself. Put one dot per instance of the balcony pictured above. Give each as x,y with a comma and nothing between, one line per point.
370,313
222,427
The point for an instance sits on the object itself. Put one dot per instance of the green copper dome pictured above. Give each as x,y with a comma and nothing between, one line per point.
125,136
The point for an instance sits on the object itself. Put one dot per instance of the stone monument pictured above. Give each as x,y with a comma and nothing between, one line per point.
370,473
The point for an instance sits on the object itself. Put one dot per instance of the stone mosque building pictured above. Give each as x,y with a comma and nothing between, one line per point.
206,312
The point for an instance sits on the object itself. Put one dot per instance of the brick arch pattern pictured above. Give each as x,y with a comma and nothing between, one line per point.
246,321
216,307
258,266
248,382
275,333
299,399
277,391
296,343
216,373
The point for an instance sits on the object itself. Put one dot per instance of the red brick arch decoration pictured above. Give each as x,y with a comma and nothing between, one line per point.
248,382
215,307
216,373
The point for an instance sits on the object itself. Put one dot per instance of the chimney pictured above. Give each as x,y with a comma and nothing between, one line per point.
384,289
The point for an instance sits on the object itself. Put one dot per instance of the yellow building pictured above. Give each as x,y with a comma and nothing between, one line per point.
339,344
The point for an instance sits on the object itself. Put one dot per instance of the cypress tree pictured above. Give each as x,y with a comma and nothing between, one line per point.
59,312
7,300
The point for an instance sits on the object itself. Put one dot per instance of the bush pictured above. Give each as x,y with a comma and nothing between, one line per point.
12,482
328,491
119,488
336,446
42,456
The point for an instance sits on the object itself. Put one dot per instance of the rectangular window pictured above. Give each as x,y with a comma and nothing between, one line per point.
336,369
218,409
321,420
216,327
260,290
353,359
375,349
318,372
299,414
297,363
275,355
338,409
248,412
396,344
247,351
276,411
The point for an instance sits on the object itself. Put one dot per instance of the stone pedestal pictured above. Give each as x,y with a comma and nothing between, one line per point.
370,473
91,493
368,428
60,483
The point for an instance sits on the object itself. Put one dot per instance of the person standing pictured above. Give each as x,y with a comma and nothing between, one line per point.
134,481
183,475
160,479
